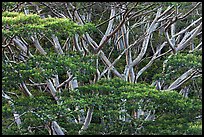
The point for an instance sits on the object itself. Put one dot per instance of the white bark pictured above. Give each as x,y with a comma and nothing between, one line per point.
16,115
87,120
56,82
94,44
117,59
110,25
37,45
192,34
173,29
91,41
140,113
56,129
151,61
57,45
197,47
53,91
20,45
129,56
182,79
108,63
171,43
76,40
26,89
65,82
150,116
77,15
74,83
150,29
184,30
17,119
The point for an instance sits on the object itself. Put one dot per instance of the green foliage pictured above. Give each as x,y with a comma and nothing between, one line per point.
116,103
179,64
41,68
19,24
171,126
6,6
106,97
174,114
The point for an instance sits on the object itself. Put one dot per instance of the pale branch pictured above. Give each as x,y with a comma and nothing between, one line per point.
15,114
125,33
76,43
87,119
184,16
76,14
4,95
163,54
20,44
173,29
193,34
182,79
141,14
197,75
65,82
43,35
133,15
27,46
133,26
107,37
197,47
84,46
142,52
13,93
96,76
91,41
74,83
184,92
172,46
68,11
54,11
180,17
56,82
108,63
184,30
66,43
112,65
109,19
37,45
109,55
37,84
110,25
95,45
151,61
150,29
57,45
53,91
169,16
166,11
26,89
56,129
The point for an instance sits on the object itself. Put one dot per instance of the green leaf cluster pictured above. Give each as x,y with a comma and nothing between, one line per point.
14,23
40,68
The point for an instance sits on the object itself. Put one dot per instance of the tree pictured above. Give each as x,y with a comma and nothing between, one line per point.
101,68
